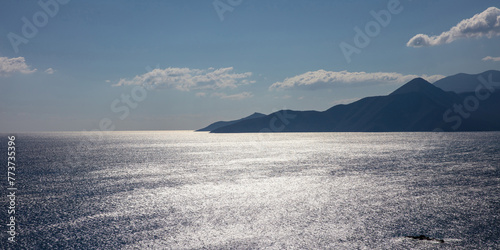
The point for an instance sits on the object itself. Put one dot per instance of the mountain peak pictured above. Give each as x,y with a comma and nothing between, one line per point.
461,83
255,114
415,85
419,86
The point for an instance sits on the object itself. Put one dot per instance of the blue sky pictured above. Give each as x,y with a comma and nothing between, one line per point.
152,65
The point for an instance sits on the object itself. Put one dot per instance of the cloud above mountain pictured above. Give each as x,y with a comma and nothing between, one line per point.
12,65
239,96
484,24
186,79
490,58
336,78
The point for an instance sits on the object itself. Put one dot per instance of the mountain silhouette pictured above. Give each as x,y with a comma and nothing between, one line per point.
416,106
462,83
220,124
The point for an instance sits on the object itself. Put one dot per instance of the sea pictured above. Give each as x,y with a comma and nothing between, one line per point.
197,190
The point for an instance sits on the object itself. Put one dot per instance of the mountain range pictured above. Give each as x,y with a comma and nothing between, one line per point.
461,102
461,83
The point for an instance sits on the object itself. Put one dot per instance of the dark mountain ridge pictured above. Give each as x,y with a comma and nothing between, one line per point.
220,124
462,83
416,106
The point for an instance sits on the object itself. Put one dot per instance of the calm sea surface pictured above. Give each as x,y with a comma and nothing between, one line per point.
188,190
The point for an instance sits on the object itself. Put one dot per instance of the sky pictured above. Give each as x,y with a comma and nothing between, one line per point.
68,65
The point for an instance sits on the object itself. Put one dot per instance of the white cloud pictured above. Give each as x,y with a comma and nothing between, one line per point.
332,78
486,23
200,94
186,79
12,65
108,81
490,58
50,71
239,96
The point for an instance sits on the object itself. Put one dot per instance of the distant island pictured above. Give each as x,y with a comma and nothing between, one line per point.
461,102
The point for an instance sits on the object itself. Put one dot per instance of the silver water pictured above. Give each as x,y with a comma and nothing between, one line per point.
188,190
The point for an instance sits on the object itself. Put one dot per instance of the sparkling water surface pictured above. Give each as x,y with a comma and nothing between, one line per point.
191,190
